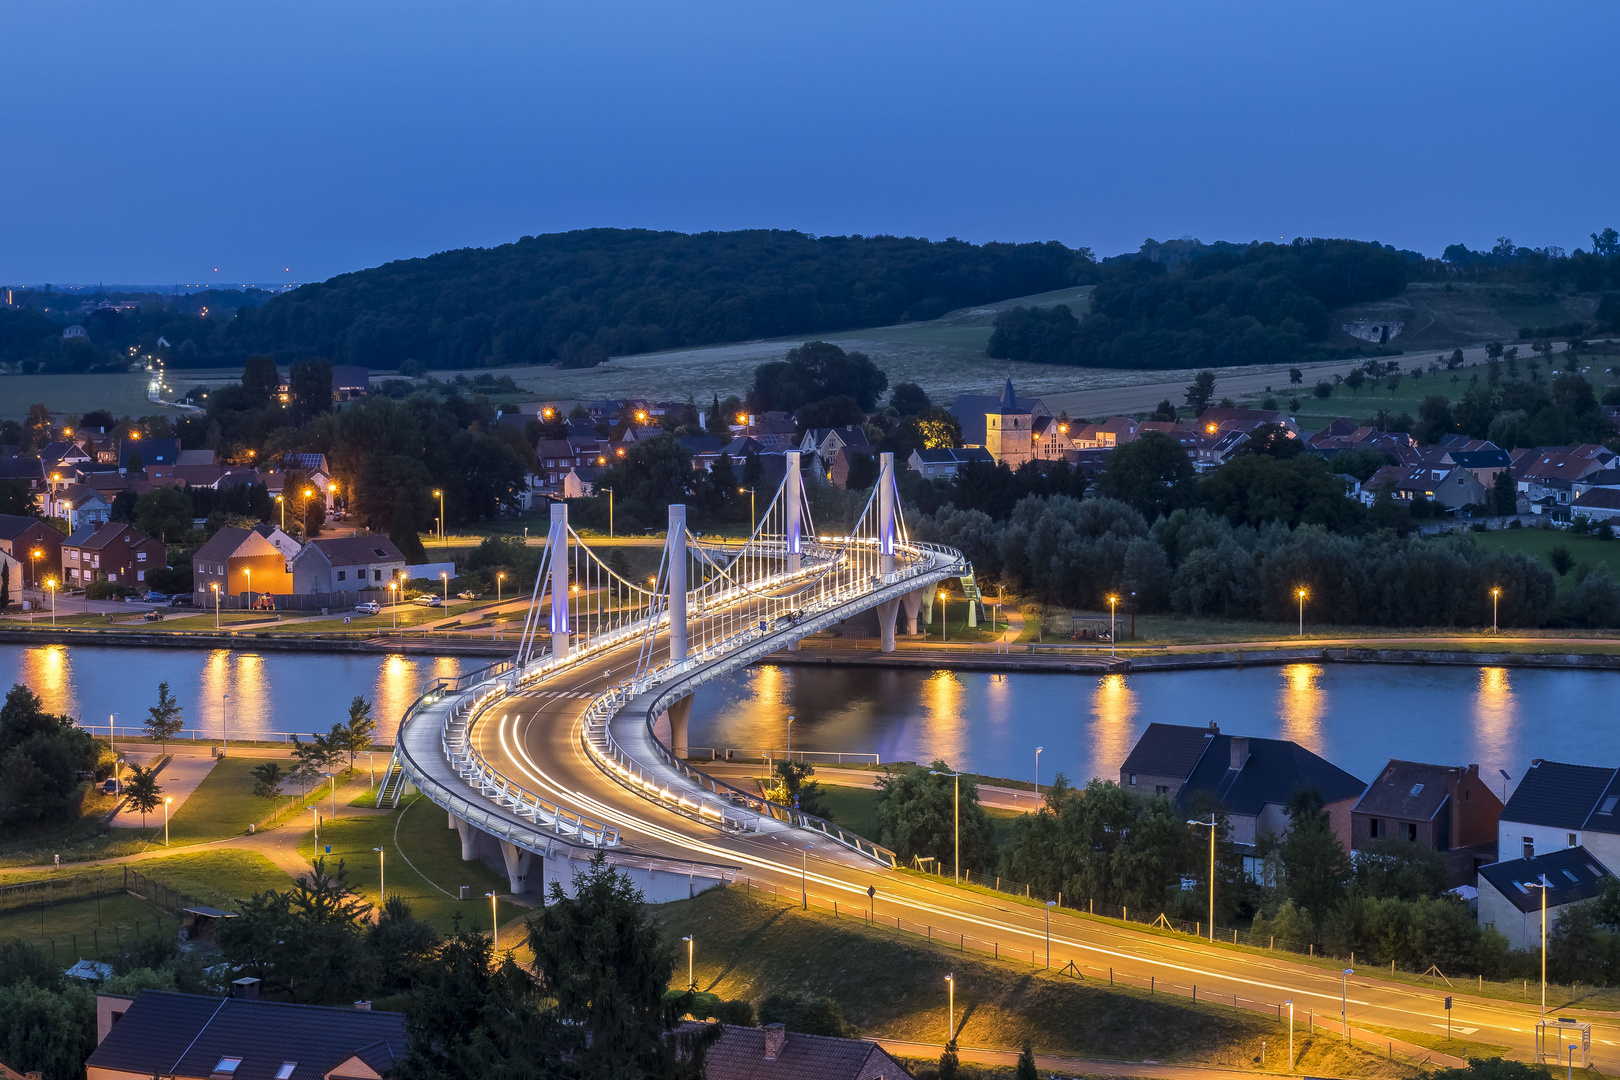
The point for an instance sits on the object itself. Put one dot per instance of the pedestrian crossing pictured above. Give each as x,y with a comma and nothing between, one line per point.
564,694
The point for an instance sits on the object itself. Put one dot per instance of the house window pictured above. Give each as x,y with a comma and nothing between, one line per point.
340,575
1372,828
1161,789
286,1070
1529,847
1411,832
376,575
1573,840
1133,780
140,556
140,575
228,1065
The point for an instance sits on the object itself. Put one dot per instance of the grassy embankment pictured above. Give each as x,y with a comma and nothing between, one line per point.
894,987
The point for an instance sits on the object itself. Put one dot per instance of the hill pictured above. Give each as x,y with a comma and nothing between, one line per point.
576,298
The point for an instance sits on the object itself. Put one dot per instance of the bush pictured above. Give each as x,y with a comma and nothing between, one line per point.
806,1015
106,590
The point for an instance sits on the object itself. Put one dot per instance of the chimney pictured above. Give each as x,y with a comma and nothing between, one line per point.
246,989
775,1037
363,1006
1240,751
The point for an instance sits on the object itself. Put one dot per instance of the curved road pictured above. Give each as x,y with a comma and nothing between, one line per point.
535,737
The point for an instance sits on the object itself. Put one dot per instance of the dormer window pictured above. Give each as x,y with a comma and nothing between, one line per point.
286,1070
227,1066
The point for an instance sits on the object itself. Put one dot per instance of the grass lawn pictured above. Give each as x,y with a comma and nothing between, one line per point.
120,393
747,947
1538,543
423,863
82,837
82,929
223,804
856,809
221,878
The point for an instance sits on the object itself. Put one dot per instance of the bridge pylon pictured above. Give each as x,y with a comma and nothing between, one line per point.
557,549
793,493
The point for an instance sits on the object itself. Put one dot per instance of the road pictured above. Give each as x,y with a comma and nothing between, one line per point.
535,738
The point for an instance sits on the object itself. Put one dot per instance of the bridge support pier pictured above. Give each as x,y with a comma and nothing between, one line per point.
886,613
913,602
794,505
927,606
518,864
680,715
557,546
469,840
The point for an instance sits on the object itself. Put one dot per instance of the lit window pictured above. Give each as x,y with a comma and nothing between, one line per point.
227,1065
286,1070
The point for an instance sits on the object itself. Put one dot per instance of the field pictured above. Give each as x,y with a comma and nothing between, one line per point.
748,947
1445,316
1539,543
223,804
122,394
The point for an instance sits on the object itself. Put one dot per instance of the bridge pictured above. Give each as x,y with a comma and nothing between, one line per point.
603,662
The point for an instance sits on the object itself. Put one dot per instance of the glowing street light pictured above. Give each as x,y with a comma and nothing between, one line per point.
1543,885
1210,825
691,983
610,511
1038,751
1113,608
494,924
958,860
214,585
752,513
439,494
166,801
50,583
382,878
944,630
500,577
33,561
393,601
950,1009
283,504
1301,593
445,577
247,571
1496,595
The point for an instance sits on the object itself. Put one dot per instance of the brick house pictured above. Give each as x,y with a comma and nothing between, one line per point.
1445,808
1510,892
346,564
238,561
20,537
116,552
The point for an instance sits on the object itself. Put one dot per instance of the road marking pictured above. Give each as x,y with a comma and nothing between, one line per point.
1455,1027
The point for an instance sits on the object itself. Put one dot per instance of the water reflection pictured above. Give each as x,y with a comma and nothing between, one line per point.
48,671
1113,727
1301,704
943,718
1496,716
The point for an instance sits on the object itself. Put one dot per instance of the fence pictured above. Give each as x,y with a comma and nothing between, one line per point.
91,885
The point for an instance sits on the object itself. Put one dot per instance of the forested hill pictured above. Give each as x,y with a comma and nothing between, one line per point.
575,298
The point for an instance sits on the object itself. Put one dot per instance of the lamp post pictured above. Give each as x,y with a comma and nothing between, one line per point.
804,876
283,504
950,1009
610,511
691,983
944,634
958,776
1049,905
50,583
214,585
790,737
752,512
33,561
1496,595
1290,1004
1543,885
1113,608
439,494
333,777
1210,825
167,799
1301,594
247,571
224,726
393,601
1344,1001
317,818
1038,750
500,577
382,876
494,924
445,577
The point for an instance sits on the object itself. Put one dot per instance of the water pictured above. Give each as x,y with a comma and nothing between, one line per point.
270,692
1355,715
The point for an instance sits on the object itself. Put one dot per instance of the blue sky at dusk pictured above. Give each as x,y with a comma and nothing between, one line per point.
293,141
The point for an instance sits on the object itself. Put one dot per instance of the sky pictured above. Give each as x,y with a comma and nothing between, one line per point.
187,143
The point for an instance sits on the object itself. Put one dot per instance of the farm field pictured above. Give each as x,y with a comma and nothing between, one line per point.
122,394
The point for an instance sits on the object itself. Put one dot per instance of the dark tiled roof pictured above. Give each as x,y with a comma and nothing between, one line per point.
1276,769
14,525
1571,874
1598,499
739,1054
165,1033
21,468
1169,750
1561,796
357,549
223,544
1493,458
1408,790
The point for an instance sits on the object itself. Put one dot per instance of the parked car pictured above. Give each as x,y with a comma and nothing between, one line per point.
156,598
152,616
109,786
428,601
468,594
181,601
368,607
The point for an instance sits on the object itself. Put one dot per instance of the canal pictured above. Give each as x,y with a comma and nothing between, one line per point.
1355,715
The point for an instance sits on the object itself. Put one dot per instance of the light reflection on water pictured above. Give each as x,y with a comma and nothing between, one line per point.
267,692
1357,716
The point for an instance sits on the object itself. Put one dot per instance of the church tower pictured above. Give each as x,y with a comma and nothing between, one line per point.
1008,430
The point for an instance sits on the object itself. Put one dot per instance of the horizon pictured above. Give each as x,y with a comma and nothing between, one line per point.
427,132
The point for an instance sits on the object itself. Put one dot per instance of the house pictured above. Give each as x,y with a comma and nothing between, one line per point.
75,332
1559,805
824,444
1115,431
149,451
77,504
1546,475
193,1037
1009,430
1510,893
1452,486
1596,504
972,412
1483,463
61,454
1050,439
581,481
346,564
115,552
237,561
1445,808
20,537
28,471
774,1053
1218,419
349,382
1254,779
558,456
280,540
944,464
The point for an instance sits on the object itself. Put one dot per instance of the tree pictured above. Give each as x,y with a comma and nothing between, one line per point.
360,730
806,1014
950,1067
917,815
1295,376
863,472
604,962
814,371
1151,474
1493,1069
1200,391
163,720
142,790
164,512
802,792
938,429
1315,866
309,389
304,942
1025,1069
908,399
267,781
1355,381
1606,244
260,381
47,1031
1504,494
1561,560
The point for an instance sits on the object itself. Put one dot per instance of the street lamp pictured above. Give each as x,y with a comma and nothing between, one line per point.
790,737
382,876
691,983
1038,750
333,777
500,577
50,583
166,801
317,816
944,631
1049,905
494,924
1290,1004
224,727
958,776
1210,825
214,585
438,494
610,511
804,876
283,504
1344,1001
445,577
1543,885
248,573
752,513
1113,607
33,561
1496,595
950,1009
393,601
1300,592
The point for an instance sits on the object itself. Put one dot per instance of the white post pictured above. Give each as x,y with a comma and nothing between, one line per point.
557,546
793,498
675,547
886,517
